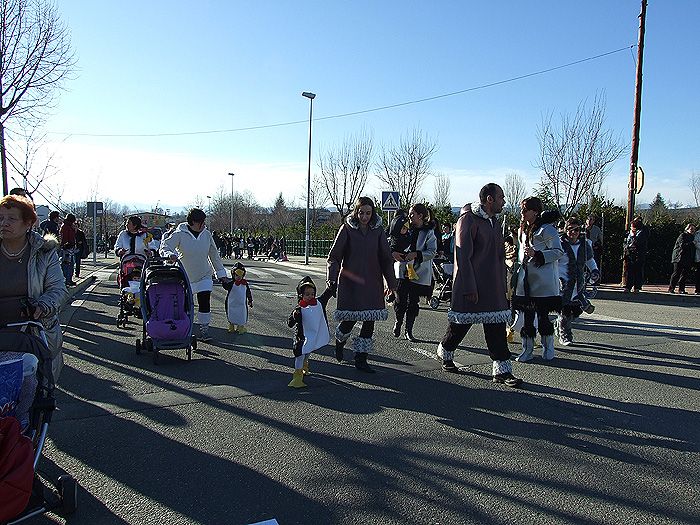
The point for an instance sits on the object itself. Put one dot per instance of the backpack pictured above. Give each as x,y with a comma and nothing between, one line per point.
16,469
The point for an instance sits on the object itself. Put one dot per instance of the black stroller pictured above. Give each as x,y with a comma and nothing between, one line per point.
17,342
442,274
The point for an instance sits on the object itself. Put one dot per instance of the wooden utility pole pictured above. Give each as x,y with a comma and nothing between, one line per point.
632,186
634,156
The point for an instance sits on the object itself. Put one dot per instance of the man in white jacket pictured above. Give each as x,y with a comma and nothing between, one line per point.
193,245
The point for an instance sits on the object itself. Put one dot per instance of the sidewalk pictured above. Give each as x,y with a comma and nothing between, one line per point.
88,271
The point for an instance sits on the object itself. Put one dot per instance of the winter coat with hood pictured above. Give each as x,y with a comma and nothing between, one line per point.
542,270
479,260
197,253
359,261
46,285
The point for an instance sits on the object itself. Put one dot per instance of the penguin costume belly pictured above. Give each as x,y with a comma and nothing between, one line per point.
316,333
236,306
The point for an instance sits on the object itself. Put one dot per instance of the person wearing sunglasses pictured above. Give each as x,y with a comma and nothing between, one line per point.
578,255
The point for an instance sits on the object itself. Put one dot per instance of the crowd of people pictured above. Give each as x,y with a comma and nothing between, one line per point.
529,278
241,246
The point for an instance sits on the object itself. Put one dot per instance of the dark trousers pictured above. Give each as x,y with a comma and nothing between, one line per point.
406,303
204,302
635,274
544,325
697,277
494,333
77,265
681,272
366,331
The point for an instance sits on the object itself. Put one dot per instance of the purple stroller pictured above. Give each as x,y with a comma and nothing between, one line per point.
167,308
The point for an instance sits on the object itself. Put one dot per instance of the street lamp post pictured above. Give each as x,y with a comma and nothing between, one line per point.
231,175
209,205
311,97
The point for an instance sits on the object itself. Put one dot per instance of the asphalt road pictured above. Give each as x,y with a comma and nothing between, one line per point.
608,432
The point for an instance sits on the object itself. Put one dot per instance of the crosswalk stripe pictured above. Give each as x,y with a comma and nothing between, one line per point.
258,273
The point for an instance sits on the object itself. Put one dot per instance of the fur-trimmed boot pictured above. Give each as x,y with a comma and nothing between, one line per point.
503,374
362,346
547,347
528,344
448,364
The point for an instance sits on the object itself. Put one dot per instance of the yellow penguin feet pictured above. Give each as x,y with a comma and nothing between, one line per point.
298,379
242,329
231,328
305,368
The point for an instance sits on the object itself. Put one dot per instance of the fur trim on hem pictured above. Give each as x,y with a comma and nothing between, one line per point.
551,303
443,354
502,367
361,315
502,316
340,336
363,345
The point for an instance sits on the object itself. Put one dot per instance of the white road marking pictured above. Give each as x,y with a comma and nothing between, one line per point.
258,273
642,325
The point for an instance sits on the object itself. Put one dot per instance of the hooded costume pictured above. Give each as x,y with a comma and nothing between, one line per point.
238,298
311,332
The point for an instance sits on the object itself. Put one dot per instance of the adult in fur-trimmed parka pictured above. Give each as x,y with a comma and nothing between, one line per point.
359,262
478,287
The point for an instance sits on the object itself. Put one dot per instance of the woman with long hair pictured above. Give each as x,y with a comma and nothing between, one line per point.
358,263
537,288
419,254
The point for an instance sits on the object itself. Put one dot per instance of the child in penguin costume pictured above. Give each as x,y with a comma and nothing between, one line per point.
238,300
311,327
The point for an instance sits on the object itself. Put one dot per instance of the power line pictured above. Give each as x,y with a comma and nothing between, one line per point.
352,113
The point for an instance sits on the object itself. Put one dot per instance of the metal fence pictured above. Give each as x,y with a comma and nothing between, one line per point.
317,248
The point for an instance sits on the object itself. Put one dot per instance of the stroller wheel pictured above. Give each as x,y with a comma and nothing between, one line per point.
138,346
194,343
148,344
68,491
189,353
434,303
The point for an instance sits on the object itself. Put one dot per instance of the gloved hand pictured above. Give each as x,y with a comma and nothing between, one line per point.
333,286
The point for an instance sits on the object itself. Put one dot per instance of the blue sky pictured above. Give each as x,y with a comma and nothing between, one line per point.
168,67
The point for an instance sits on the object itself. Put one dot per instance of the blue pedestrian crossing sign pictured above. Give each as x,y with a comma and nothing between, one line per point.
390,200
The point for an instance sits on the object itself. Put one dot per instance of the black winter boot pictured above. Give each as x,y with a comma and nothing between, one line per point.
397,329
361,363
339,346
409,329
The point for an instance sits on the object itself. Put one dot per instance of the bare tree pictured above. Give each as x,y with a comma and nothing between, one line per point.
577,154
695,187
441,191
318,199
515,192
405,166
344,170
35,59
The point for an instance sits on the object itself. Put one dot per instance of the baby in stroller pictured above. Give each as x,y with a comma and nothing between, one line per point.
129,283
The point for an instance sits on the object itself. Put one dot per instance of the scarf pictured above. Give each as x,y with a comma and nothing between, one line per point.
310,302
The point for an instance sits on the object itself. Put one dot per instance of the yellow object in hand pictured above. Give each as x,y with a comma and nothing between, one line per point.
411,272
